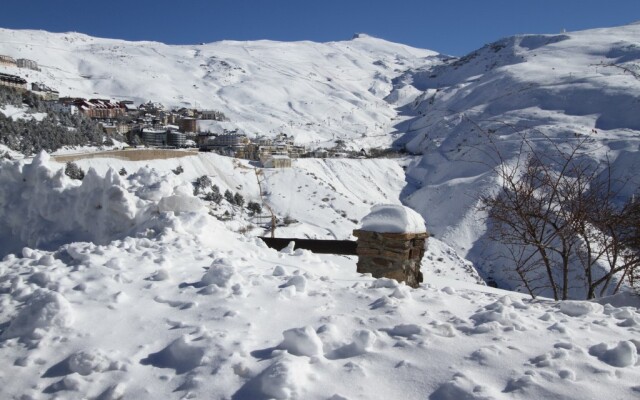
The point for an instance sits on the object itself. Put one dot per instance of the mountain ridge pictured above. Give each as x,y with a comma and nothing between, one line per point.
317,92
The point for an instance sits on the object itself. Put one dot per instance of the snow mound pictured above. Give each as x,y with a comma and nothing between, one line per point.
362,342
278,270
44,310
299,282
499,316
180,355
285,378
624,354
579,308
461,387
302,342
88,362
180,203
47,209
393,218
384,283
221,273
405,330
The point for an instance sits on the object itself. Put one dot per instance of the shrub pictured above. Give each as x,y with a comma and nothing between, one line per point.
73,171
254,208
238,199
228,196
201,184
214,195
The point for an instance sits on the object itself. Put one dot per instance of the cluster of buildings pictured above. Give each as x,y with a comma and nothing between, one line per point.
150,122
20,83
44,91
19,63
153,125
17,82
271,152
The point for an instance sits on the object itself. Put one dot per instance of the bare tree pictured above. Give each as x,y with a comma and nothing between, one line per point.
558,217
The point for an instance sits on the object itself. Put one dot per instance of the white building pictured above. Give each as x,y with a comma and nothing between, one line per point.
276,161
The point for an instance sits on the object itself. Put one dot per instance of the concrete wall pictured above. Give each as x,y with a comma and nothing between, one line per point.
129,155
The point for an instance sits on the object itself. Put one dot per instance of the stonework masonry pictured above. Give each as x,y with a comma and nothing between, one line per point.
391,255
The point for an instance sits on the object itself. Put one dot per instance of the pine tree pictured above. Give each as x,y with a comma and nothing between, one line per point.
254,207
201,184
228,196
238,199
214,195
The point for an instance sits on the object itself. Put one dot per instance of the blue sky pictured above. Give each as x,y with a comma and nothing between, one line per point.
447,26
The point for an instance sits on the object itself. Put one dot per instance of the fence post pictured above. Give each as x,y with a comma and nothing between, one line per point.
396,255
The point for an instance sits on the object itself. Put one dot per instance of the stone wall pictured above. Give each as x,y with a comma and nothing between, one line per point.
391,255
129,155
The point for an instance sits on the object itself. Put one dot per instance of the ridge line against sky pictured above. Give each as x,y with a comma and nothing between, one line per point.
454,27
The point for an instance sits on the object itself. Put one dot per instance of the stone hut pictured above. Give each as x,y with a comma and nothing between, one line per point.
391,244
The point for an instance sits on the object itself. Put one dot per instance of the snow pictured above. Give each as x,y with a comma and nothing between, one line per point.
44,310
16,113
6,152
9,110
393,218
180,306
624,354
555,89
130,287
317,92
302,342
46,209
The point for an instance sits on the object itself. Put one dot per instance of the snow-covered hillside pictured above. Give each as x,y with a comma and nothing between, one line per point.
127,286
555,89
316,91
179,306
322,199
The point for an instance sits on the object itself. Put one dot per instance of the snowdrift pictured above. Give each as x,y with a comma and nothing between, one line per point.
199,312
43,208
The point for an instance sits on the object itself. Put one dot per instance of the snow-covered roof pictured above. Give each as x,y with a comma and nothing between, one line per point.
150,130
393,218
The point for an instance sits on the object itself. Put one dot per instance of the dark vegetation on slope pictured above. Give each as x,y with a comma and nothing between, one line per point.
55,131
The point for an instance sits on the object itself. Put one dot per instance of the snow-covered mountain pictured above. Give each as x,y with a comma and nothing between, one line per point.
555,89
128,286
318,92
370,92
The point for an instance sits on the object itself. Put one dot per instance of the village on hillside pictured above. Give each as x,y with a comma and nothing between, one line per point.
153,125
